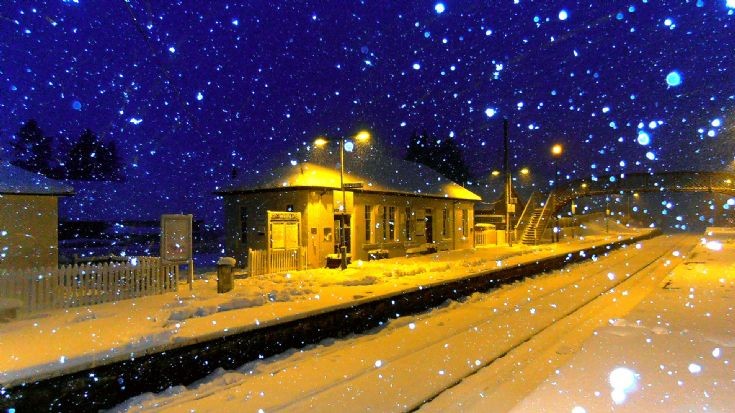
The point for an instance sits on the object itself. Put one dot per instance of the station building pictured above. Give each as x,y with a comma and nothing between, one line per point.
29,218
391,208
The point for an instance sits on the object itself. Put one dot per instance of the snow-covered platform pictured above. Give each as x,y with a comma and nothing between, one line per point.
147,344
672,352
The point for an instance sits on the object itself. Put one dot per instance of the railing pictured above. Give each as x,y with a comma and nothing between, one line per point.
525,217
38,289
261,262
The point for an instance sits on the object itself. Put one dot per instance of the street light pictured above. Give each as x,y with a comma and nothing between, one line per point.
556,152
362,136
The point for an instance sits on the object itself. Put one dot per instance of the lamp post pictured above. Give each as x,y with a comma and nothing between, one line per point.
556,152
522,173
362,136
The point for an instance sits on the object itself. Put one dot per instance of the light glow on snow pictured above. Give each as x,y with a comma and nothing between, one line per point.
695,368
623,380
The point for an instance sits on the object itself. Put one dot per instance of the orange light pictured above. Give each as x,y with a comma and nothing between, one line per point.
362,136
320,141
557,150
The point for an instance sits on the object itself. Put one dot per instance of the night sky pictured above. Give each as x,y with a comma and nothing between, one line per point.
190,89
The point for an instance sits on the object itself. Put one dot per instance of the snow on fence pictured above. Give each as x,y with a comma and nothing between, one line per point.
37,289
260,262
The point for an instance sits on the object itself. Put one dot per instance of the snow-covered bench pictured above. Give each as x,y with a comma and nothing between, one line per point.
377,254
422,249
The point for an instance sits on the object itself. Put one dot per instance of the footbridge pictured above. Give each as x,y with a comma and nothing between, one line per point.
540,210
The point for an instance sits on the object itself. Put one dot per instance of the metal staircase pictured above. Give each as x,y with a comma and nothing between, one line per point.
537,216
531,232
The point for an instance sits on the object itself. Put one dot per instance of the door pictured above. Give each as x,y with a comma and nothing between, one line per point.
429,226
341,231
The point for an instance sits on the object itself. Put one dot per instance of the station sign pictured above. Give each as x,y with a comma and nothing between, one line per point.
176,238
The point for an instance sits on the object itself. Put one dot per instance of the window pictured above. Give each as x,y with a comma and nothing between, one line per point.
445,223
384,216
243,225
465,223
408,228
368,222
392,223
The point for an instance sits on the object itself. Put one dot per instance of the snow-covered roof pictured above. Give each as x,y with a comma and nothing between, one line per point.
376,172
15,180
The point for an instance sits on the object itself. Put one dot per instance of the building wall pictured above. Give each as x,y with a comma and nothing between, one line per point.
319,232
444,236
28,231
251,222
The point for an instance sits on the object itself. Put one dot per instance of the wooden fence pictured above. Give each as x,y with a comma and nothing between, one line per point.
260,262
486,237
37,289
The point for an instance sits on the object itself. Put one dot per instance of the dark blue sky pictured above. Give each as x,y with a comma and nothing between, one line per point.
190,89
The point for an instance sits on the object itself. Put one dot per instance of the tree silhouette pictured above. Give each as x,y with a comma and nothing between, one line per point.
92,160
443,156
32,149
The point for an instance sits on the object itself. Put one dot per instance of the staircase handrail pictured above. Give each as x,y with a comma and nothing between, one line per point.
543,218
525,217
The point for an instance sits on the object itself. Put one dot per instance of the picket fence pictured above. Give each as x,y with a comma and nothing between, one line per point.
260,262
38,289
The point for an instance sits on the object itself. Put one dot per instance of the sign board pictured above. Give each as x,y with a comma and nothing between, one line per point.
512,208
283,230
353,185
284,216
176,238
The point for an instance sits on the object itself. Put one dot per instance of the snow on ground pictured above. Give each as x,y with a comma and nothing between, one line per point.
51,343
401,365
412,358
674,352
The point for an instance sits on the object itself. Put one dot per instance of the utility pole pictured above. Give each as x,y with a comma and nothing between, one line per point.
506,170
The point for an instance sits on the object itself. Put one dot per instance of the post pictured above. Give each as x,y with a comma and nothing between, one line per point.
508,183
555,232
574,221
190,278
343,245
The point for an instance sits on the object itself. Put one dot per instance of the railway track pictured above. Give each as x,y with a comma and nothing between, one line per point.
428,361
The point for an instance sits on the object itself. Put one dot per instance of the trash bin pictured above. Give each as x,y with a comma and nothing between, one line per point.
225,280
